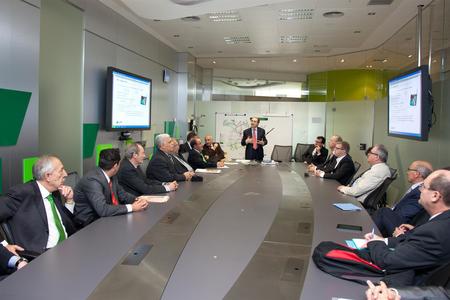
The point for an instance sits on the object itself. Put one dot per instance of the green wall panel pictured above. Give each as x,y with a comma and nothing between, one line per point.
13,107
27,168
90,131
99,149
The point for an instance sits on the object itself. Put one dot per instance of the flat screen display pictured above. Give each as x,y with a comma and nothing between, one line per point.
409,104
128,101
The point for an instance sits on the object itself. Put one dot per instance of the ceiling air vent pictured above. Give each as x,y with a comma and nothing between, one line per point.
188,2
225,16
231,40
380,2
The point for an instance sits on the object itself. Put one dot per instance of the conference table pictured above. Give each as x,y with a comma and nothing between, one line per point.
246,233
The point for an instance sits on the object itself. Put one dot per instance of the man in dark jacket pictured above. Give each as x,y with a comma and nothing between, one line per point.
316,154
196,158
254,139
133,180
343,169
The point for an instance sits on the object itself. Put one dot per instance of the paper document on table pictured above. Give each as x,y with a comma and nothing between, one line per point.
243,161
356,243
347,206
156,199
224,167
231,163
209,171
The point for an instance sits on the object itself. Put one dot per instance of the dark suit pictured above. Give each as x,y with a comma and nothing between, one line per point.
179,167
133,180
329,163
197,162
342,172
315,159
92,197
213,155
24,211
5,256
184,148
423,250
407,208
161,167
251,153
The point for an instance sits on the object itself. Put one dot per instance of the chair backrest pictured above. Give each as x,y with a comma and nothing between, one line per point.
72,179
377,198
393,172
299,150
357,166
282,153
6,233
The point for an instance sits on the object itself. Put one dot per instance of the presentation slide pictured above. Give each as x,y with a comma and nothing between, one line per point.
131,101
405,105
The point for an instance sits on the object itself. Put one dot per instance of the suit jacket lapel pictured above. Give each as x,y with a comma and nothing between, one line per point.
105,185
38,201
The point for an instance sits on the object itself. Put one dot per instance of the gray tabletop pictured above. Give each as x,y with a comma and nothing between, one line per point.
243,234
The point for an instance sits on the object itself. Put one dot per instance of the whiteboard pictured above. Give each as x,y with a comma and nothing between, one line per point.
229,128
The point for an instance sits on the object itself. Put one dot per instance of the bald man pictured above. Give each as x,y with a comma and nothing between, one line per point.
212,150
387,219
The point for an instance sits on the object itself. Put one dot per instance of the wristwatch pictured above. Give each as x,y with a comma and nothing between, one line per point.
19,261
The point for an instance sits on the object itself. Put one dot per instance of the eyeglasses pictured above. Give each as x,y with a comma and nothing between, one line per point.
336,148
371,153
318,142
423,187
412,170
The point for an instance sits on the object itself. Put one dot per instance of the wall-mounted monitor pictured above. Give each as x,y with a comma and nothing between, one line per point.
410,104
128,101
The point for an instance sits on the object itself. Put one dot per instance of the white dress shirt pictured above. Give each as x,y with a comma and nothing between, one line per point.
129,206
53,234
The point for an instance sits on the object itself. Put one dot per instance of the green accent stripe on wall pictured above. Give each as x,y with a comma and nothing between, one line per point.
90,131
13,107
1,176
27,168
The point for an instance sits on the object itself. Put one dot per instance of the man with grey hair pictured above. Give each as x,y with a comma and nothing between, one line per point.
35,210
372,178
132,178
387,219
161,167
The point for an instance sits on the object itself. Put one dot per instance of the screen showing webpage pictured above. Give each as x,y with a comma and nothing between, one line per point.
130,101
405,105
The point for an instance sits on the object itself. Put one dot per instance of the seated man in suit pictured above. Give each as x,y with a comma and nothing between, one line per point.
161,167
330,162
99,194
427,247
343,169
196,158
316,154
35,211
387,219
186,147
371,178
181,166
133,180
9,262
212,151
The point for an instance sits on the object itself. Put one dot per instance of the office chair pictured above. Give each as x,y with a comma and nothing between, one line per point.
281,153
299,150
377,198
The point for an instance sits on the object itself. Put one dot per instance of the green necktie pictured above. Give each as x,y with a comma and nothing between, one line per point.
204,160
56,218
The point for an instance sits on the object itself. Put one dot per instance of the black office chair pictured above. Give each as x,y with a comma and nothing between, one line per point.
282,153
72,179
299,150
185,155
357,166
6,232
377,198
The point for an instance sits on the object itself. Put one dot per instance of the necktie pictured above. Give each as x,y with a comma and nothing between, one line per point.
113,197
204,160
254,139
56,219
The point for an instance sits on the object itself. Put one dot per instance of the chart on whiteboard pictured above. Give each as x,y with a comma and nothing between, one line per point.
229,128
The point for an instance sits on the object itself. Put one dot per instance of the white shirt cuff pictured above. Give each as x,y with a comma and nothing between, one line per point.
4,243
70,206
129,207
167,187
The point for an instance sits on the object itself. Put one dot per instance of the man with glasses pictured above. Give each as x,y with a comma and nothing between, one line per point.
416,255
343,169
387,219
330,162
317,153
371,178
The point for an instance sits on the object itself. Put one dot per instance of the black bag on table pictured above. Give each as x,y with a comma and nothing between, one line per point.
345,262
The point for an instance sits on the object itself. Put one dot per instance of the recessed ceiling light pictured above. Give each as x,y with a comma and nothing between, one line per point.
191,47
372,13
292,39
176,35
369,66
296,14
342,60
237,40
253,61
333,14
294,60
357,31
385,60
410,55
220,51
226,16
156,20
214,62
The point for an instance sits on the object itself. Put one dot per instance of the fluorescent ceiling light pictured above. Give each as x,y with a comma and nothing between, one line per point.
296,14
287,39
231,40
226,16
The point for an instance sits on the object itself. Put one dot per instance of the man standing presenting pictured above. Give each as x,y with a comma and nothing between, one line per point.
254,138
